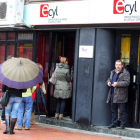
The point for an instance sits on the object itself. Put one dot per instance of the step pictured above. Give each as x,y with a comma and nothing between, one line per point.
128,132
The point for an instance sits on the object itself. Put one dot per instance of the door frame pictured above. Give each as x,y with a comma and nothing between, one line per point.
54,36
133,71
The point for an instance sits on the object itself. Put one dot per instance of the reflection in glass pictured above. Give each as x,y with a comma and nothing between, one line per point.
125,49
25,50
25,36
2,53
10,49
2,36
11,36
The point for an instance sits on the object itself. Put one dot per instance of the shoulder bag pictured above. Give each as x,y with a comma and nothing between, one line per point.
4,99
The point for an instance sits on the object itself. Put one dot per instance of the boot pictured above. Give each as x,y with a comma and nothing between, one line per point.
7,127
12,127
56,116
32,119
60,116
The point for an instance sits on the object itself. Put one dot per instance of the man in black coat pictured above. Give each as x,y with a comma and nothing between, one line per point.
118,94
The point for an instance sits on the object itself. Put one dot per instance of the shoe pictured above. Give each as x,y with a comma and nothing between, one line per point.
122,127
7,127
56,116
12,127
18,128
3,122
60,116
27,128
112,126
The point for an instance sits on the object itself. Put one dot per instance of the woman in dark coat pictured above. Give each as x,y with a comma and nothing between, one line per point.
62,87
13,105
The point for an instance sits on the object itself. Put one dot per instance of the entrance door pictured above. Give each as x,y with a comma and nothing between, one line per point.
62,45
50,46
128,50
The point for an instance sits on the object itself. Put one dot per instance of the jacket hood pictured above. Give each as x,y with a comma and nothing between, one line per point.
61,65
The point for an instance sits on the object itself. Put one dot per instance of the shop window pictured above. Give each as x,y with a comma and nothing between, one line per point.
2,53
11,36
125,49
25,50
2,36
25,36
10,49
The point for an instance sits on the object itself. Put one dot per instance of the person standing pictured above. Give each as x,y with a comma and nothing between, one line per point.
118,82
62,88
25,105
3,107
13,105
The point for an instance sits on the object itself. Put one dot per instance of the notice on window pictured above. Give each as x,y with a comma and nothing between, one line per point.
86,51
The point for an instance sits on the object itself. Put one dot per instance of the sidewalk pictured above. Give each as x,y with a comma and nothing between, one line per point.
43,132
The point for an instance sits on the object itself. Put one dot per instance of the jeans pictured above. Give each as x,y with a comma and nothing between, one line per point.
61,103
25,105
13,106
33,107
114,110
3,113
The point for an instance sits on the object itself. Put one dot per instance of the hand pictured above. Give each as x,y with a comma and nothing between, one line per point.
109,84
115,84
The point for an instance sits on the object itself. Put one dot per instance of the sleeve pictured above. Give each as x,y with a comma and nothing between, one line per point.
43,88
68,77
34,88
4,88
110,78
125,82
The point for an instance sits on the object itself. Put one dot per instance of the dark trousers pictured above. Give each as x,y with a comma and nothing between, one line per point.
3,113
114,110
61,103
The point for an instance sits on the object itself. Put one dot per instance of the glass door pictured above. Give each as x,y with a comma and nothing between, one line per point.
128,50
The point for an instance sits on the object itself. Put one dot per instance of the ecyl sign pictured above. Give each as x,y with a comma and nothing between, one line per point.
45,11
122,6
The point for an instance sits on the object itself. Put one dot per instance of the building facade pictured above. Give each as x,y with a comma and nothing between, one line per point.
92,34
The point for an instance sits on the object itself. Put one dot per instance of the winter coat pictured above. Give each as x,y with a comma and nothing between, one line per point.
63,78
121,90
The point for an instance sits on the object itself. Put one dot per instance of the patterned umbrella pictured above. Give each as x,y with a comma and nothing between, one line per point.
20,73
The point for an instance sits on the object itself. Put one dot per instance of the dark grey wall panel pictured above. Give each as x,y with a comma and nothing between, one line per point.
85,80
104,63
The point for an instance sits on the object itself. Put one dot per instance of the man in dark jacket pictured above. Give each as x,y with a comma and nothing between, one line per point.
118,94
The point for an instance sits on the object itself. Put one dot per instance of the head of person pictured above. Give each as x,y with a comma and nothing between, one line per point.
9,57
64,60
118,65
40,66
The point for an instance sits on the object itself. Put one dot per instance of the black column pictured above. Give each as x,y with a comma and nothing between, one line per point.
84,79
104,63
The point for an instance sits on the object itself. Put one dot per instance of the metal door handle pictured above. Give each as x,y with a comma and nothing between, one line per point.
134,78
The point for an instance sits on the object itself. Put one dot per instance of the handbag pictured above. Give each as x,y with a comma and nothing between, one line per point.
4,99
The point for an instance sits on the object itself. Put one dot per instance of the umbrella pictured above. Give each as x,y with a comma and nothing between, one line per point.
20,73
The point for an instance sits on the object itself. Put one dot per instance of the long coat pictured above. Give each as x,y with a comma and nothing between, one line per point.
121,90
62,87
